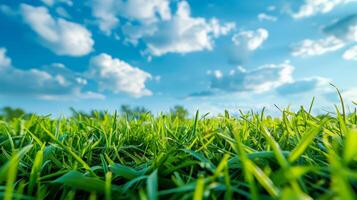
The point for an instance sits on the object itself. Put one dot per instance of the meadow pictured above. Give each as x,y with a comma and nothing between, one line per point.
115,156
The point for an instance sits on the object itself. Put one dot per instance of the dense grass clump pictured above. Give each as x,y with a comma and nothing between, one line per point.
253,156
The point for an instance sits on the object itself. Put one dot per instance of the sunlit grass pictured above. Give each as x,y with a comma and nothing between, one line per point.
253,156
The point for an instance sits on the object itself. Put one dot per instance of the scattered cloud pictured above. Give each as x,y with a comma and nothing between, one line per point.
304,85
350,94
63,13
59,35
146,12
53,2
4,60
7,10
271,8
266,17
161,30
259,80
56,82
344,29
350,54
310,47
250,40
117,76
313,7
181,34
267,79
339,34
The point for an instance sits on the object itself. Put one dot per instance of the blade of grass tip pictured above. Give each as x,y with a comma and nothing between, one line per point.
108,186
263,179
35,171
4,170
350,150
340,182
262,114
276,148
199,190
221,165
68,150
311,104
152,186
195,123
248,176
305,141
341,101
12,173
228,195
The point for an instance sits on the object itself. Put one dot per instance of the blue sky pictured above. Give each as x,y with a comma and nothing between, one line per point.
204,54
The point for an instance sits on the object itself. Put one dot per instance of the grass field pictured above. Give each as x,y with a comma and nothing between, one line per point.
253,156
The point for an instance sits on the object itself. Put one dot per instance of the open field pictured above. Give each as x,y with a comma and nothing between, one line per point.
253,156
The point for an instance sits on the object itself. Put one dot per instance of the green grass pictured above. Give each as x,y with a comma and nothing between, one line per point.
253,156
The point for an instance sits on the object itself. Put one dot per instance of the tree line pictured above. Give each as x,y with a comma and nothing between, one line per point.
131,112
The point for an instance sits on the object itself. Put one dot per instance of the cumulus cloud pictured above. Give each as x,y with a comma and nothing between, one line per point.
59,35
117,76
310,47
181,34
161,30
314,7
350,54
250,40
56,82
266,17
107,12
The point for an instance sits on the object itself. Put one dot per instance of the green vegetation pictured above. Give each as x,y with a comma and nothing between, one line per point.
135,155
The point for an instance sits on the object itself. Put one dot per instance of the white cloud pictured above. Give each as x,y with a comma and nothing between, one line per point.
266,80
313,7
4,60
118,76
161,30
350,94
317,47
266,17
350,54
339,34
63,12
344,29
146,11
53,2
262,79
107,12
7,10
181,34
55,82
59,35
271,8
299,86
250,40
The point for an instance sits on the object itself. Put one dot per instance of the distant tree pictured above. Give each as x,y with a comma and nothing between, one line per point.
92,114
179,112
134,112
9,113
